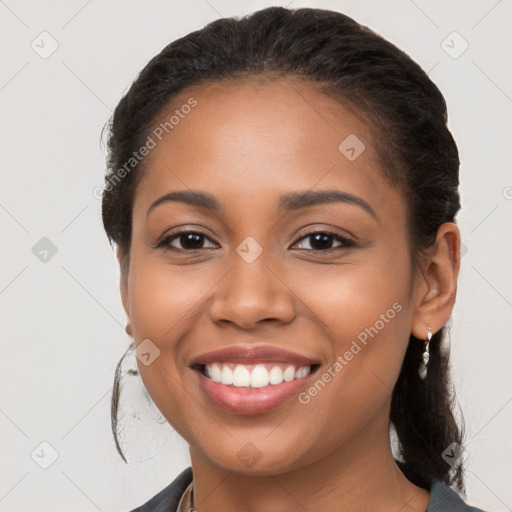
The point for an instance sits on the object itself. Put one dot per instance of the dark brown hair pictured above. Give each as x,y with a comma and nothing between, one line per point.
418,154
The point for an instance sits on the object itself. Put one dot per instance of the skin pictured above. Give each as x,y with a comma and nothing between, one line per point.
332,453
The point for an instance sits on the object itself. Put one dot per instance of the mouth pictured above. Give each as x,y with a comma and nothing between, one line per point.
259,375
252,380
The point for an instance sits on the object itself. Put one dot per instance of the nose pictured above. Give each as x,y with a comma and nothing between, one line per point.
251,294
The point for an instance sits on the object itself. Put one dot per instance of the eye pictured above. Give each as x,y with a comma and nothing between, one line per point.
322,241
189,240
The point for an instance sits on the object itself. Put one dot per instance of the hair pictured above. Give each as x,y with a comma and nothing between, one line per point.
417,152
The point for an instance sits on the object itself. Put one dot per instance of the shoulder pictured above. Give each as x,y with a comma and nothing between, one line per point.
168,498
445,499
442,497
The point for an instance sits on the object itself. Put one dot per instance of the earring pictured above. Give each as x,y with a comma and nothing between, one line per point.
422,371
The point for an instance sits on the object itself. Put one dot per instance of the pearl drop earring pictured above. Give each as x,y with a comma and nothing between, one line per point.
422,371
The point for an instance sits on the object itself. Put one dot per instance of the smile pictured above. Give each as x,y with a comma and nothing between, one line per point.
250,379
255,376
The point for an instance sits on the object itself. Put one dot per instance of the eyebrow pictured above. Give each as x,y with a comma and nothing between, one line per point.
297,200
288,202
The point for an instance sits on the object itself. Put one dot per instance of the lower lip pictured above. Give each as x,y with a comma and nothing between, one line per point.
251,400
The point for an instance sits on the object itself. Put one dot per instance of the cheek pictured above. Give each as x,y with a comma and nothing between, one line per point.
364,311
349,298
368,323
163,299
165,303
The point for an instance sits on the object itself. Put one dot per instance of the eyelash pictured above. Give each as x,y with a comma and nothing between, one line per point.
165,242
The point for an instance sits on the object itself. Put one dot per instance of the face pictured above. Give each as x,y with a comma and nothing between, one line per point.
268,271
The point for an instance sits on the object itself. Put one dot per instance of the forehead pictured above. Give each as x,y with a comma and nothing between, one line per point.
260,138
258,109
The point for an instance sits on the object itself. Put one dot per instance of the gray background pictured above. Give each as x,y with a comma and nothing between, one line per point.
62,319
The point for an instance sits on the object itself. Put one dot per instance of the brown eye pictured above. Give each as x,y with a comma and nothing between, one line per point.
323,240
189,240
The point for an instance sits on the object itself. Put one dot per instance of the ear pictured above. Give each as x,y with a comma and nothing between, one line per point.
436,285
122,258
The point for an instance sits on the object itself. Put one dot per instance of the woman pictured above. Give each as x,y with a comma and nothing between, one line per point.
282,192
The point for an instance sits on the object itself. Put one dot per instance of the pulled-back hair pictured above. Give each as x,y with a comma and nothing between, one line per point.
417,152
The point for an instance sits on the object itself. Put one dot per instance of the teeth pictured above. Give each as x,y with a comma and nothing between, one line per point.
241,376
302,372
226,377
275,375
258,377
289,374
214,372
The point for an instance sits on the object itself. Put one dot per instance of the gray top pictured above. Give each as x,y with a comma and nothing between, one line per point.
442,497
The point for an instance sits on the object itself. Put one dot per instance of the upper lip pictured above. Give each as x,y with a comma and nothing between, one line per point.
246,354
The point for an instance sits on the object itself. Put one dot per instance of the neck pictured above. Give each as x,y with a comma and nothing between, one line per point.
360,475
